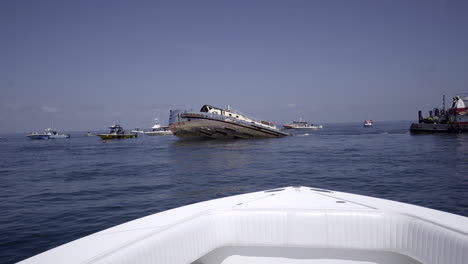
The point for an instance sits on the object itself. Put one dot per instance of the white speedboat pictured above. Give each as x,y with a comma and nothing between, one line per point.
302,125
54,134
368,123
138,130
49,133
288,225
37,135
158,130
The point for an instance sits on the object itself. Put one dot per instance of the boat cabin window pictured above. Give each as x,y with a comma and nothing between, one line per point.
205,108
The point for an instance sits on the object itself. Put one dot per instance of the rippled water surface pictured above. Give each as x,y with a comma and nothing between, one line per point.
55,191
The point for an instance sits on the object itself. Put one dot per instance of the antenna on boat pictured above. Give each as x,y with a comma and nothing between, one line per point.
443,102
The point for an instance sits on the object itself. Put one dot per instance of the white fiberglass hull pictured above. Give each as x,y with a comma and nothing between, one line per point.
305,128
59,136
287,225
159,133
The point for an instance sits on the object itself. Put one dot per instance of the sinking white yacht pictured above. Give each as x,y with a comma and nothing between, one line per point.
288,225
216,123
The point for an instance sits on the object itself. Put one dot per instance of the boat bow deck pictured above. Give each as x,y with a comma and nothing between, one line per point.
286,218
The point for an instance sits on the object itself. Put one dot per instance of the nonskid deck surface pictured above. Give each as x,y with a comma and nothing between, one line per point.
288,218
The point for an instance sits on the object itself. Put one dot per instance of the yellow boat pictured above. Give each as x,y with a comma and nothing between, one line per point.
117,132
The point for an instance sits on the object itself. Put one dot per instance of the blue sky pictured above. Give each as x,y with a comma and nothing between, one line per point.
83,65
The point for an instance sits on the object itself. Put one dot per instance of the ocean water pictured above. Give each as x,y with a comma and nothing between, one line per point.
55,191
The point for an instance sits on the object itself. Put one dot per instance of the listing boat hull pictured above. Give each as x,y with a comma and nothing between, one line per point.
195,126
113,136
287,225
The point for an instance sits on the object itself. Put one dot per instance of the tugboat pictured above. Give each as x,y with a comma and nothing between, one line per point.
368,123
117,132
455,120
158,130
216,123
302,125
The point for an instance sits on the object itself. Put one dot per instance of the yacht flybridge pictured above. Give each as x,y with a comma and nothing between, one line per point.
214,122
288,225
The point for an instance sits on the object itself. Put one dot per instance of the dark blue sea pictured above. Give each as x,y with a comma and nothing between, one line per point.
55,191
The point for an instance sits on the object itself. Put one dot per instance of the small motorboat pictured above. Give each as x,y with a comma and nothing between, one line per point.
302,125
117,132
138,130
37,136
158,130
54,134
287,225
368,123
49,133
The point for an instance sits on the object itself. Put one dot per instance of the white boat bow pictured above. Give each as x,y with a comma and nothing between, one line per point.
286,225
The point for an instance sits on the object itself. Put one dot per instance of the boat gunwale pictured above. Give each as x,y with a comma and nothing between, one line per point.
234,204
233,210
